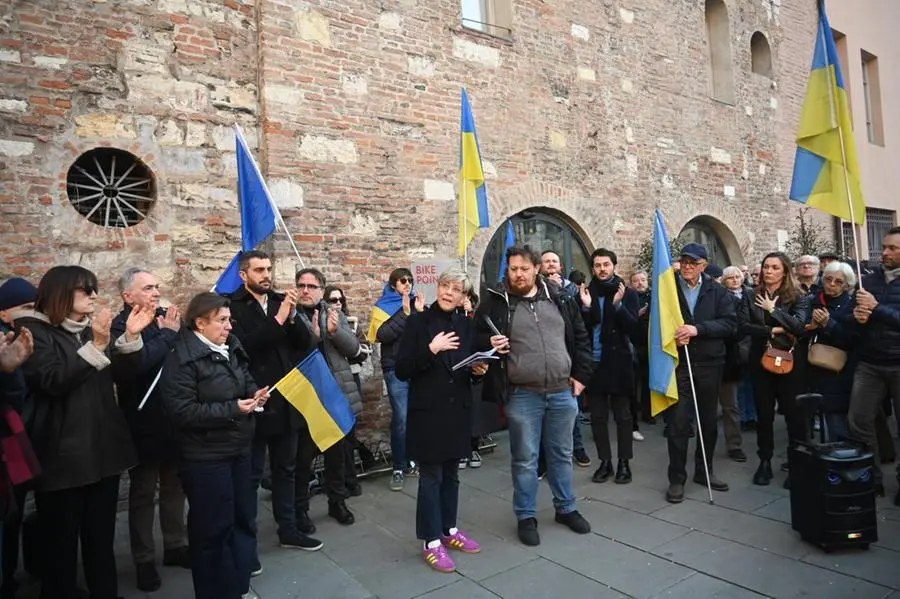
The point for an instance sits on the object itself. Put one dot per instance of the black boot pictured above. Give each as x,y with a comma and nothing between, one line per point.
339,511
603,472
623,473
148,578
304,524
763,474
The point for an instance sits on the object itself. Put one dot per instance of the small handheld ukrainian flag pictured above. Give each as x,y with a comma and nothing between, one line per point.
665,318
313,391
473,203
826,166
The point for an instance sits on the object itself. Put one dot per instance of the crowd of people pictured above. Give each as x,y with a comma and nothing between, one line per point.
184,401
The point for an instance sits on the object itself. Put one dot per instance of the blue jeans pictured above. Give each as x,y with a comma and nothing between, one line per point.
438,499
220,525
837,427
534,419
398,393
577,439
746,400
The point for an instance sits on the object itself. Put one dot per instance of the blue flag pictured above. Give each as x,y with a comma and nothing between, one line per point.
510,241
257,212
473,202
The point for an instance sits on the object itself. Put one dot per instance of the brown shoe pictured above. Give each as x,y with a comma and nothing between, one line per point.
675,494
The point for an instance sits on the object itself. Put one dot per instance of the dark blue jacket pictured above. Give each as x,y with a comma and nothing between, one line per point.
840,332
879,339
715,316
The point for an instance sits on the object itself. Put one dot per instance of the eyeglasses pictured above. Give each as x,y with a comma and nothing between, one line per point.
804,264
834,280
310,286
690,263
334,300
87,289
405,280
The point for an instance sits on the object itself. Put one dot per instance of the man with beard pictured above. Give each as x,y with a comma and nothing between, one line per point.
610,312
876,308
545,361
552,269
641,284
265,324
152,434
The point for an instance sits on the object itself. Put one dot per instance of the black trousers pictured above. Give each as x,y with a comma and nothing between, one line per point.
781,390
12,528
679,417
282,451
335,456
349,444
600,404
86,514
438,500
644,383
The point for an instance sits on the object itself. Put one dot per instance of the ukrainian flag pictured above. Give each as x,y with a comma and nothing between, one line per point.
386,306
313,391
665,318
823,170
473,204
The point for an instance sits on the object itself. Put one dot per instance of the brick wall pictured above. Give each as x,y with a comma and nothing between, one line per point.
600,111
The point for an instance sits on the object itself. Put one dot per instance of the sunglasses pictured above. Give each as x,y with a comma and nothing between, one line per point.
405,280
87,289
334,300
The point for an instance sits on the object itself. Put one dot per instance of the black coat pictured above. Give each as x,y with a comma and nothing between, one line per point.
614,374
714,317
274,349
152,432
439,416
879,341
79,433
758,324
840,332
495,304
737,347
200,389
388,335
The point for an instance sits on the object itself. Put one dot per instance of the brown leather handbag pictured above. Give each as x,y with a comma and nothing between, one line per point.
827,356
778,361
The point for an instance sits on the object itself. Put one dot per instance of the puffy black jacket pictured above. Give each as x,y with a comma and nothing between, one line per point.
879,341
151,430
274,349
715,318
388,336
78,432
495,304
758,324
200,389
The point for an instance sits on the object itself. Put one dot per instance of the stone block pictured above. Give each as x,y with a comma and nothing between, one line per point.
728,191
234,97
168,92
439,190
626,15
627,85
420,66
12,105
471,52
542,578
106,125
700,586
312,27
183,161
557,140
354,84
586,74
168,133
286,193
195,135
7,55
389,21
719,156
50,62
286,97
580,32
318,148
15,149
145,57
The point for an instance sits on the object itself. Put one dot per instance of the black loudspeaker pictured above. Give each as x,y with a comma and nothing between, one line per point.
833,495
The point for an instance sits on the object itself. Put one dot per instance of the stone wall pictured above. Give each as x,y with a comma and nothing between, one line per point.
598,110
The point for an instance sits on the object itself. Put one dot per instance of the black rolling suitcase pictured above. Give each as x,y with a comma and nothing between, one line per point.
832,491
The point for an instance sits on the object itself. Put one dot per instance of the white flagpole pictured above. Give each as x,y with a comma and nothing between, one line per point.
687,358
832,83
278,218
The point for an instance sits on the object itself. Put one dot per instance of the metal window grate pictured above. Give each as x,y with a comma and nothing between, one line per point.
111,187
878,223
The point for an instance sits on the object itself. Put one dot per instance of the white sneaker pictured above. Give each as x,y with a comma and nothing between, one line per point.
475,460
250,595
637,436
463,463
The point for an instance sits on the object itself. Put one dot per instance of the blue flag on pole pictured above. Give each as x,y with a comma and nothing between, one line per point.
257,212
473,202
510,241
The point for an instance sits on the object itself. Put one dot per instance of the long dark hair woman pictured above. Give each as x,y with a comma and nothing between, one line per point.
439,421
775,315
78,431
210,397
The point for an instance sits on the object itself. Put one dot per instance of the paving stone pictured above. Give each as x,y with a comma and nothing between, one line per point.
409,578
366,545
630,528
765,573
748,529
877,565
779,510
631,497
701,586
497,555
464,589
307,575
544,579
629,571
743,497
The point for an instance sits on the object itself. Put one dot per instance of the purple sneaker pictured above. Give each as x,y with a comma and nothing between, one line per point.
438,559
461,542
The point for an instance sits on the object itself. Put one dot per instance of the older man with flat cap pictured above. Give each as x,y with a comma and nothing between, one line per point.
710,320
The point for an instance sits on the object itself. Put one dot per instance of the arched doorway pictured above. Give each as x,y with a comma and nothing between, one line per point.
541,230
719,241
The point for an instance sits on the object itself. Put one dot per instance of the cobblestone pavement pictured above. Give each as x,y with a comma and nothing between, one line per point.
641,546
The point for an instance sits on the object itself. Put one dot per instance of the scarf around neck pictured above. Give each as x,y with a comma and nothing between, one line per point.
890,275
